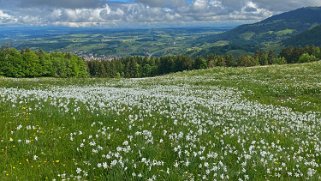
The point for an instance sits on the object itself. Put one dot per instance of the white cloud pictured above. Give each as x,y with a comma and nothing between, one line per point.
140,12
60,3
163,3
6,18
251,8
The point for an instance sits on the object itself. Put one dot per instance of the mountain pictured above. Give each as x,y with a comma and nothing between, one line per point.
267,34
310,37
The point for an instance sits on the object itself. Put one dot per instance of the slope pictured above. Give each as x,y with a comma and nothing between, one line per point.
268,33
310,37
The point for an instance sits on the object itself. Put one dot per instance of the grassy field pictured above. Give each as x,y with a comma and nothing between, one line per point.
261,123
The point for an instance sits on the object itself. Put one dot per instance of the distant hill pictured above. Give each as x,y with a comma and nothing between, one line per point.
268,33
310,37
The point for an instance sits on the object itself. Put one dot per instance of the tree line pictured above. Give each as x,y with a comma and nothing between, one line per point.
136,67
30,63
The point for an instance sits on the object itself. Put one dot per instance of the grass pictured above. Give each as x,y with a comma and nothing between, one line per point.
285,32
295,86
221,43
260,123
247,36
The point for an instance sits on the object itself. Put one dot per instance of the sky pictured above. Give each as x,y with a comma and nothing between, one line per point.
142,13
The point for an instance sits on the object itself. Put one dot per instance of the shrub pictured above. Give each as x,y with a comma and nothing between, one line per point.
307,58
279,60
248,61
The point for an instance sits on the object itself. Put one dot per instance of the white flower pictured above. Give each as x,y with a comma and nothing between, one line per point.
92,143
113,163
176,164
105,165
311,172
125,143
78,170
19,127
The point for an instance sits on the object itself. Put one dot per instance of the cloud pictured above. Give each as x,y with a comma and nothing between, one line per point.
162,3
61,3
78,13
286,5
6,18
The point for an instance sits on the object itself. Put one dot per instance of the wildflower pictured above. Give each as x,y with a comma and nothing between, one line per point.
125,143
176,164
78,170
105,165
19,127
311,172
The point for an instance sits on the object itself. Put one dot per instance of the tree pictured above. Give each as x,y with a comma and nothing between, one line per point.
307,58
231,61
271,57
200,63
132,68
11,63
279,60
248,61
262,57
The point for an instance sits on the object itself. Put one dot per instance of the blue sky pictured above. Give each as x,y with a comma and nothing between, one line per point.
142,13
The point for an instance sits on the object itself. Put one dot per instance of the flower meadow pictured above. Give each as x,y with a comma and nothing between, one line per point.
201,125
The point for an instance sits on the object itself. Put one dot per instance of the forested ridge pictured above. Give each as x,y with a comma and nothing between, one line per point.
30,63
136,67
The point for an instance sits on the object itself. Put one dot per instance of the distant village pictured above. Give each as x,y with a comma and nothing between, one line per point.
92,56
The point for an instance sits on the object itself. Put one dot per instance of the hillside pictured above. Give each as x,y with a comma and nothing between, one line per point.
268,33
171,127
310,37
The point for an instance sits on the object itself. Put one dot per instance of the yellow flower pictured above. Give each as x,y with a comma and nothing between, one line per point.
10,139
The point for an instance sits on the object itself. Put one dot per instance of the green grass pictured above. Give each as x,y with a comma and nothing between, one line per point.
247,35
285,32
296,86
221,43
260,123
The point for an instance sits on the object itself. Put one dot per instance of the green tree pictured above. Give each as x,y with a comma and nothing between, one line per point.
307,58
262,57
32,67
279,60
11,63
248,61
200,63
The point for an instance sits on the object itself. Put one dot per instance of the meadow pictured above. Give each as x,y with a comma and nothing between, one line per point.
259,123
